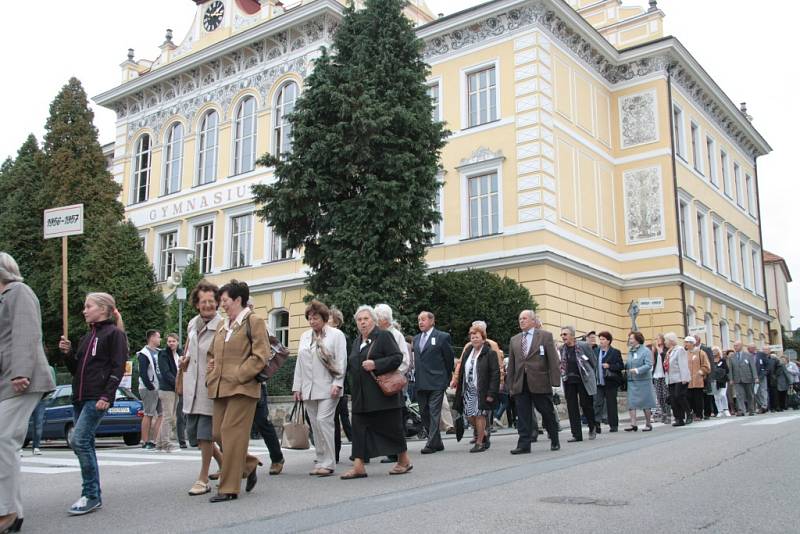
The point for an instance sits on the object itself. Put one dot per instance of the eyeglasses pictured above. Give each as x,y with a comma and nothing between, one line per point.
564,334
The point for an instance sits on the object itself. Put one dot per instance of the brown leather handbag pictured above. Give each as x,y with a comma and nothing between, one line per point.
390,383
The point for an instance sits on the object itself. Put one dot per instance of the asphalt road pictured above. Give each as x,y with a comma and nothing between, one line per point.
727,475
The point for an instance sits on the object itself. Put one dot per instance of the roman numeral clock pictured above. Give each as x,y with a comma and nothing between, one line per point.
212,18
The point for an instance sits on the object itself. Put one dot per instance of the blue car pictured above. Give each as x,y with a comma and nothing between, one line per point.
124,418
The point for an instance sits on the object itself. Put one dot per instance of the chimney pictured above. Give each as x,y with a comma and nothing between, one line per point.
653,5
743,109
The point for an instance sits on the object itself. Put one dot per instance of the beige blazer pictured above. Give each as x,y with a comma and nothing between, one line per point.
236,362
195,392
311,377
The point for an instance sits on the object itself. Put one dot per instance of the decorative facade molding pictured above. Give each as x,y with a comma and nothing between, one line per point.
644,205
638,119
480,156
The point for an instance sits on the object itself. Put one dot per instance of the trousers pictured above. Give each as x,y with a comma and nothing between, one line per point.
762,395
720,397
696,401
525,402
87,418
320,415
745,398
578,399
14,413
169,403
606,402
680,403
430,407
231,423
341,421
266,429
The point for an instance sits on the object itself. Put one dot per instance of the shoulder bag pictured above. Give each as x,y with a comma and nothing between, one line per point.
276,360
390,383
295,431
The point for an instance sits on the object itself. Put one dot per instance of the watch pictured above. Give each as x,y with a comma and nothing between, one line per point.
213,15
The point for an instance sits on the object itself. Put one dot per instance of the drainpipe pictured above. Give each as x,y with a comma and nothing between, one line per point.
677,201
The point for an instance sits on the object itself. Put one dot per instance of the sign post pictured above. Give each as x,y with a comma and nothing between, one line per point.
63,222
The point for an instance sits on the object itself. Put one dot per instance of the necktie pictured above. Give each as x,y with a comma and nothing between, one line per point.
524,344
424,340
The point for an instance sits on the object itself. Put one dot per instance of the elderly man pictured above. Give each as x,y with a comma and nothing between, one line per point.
433,364
533,372
743,375
578,365
762,367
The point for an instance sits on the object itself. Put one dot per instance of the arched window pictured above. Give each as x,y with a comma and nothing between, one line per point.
762,341
737,333
724,335
709,324
284,105
173,158
207,156
749,337
244,146
691,317
280,326
141,170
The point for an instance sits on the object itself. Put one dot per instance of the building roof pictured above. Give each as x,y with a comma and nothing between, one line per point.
769,257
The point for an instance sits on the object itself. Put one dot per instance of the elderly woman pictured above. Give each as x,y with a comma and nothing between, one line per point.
699,368
719,382
24,379
678,377
378,427
640,381
319,381
97,367
236,355
784,378
478,386
660,379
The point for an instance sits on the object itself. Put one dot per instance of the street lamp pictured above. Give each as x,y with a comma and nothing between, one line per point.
180,256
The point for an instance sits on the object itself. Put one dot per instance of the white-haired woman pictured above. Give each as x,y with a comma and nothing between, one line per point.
386,322
678,376
24,378
97,367
378,427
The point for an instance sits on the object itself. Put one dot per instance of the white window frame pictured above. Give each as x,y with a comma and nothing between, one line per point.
494,165
173,164
724,335
280,124
701,218
686,224
242,211
282,333
719,246
139,172
751,194
737,181
747,279
750,336
437,112
733,251
269,246
239,142
724,162
679,131
195,225
709,324
758,282
737,333
697,150
159,253
204,151
711,151
465,74
691,316
438,228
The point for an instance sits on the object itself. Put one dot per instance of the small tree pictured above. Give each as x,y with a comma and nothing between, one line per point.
191,276
459,298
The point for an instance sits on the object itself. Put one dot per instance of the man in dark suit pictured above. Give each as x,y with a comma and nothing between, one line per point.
743,375
609,377
533,372
433,367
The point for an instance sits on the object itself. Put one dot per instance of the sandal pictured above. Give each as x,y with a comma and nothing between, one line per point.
199,488
647,428
215,476
350,475
275,468
401,469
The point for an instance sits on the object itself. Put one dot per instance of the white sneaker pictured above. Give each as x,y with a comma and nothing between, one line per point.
37,451
726,413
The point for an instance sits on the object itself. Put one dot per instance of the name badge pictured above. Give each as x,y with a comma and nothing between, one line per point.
541,350
585,357
433,341
746,362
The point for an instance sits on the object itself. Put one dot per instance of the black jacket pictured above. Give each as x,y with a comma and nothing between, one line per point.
167,369
433,363
98,364
366,395
488,379
613,358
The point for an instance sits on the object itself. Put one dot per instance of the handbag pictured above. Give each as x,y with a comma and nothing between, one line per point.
390,383
276,360
295,430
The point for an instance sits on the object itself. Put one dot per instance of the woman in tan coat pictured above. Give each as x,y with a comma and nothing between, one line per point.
237,354
699,367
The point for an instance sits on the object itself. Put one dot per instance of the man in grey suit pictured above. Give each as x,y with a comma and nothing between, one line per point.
433,367
533,372
743,374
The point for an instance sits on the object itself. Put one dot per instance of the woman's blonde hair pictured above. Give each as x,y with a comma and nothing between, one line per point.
107,302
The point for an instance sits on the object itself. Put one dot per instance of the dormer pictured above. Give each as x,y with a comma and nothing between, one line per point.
623,26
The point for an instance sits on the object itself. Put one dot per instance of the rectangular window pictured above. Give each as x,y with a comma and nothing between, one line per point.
756,270
751,195
746,281
702,247
433,92
712,168
683,212
726,173
737,178
481,97
241,232
166,260
203,247
483,205
732,272
697,158
677,125
277,247
716,230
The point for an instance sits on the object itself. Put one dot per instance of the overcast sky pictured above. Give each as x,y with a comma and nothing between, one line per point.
745,46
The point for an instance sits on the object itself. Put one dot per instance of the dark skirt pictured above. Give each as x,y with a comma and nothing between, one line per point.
379,433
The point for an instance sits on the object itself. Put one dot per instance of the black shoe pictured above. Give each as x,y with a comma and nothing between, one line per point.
16,526
574,439
223,497
632,428
556,446
431,450
613,429
592,434
541,431
478,447
689,420
598,429
678,423
519,450
252,478
184,445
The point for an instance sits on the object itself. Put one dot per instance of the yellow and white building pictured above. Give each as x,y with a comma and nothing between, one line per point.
592,159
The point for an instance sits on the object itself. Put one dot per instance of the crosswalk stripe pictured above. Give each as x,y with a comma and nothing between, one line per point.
706,424
49,470
152,456
73,462
773,420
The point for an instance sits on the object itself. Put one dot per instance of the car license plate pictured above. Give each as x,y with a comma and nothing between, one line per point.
118,410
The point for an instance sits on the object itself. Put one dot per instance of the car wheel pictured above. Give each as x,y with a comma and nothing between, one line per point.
131,438
69,433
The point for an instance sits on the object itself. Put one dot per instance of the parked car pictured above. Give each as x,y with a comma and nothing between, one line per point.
124,418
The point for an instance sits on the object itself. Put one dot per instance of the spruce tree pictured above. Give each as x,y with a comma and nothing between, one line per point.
358,191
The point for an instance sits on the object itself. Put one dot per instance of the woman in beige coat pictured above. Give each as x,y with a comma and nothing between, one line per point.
699,367
24,379
237,354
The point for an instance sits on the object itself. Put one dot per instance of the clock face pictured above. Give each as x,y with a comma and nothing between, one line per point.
213,16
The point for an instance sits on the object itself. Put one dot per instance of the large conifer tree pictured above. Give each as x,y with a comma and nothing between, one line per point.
358,191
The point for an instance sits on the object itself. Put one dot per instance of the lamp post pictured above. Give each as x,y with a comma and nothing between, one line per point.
181,257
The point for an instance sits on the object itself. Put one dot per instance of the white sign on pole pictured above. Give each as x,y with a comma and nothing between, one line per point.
775,348
63,221
697,330
651,304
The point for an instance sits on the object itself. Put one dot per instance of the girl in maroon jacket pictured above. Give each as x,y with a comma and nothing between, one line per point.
97,367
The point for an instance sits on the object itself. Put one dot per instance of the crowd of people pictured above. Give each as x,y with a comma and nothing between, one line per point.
213,393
